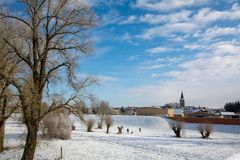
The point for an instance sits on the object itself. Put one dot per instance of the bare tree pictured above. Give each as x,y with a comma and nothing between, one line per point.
177,128
103,111
109,123
205,130
51,40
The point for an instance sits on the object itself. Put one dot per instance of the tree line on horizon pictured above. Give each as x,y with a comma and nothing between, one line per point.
232,106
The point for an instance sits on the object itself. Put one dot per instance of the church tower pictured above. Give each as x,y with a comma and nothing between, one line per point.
182,101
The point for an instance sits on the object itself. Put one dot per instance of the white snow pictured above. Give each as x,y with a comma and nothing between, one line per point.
155,142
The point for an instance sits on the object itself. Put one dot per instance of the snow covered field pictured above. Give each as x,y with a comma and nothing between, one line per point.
155,142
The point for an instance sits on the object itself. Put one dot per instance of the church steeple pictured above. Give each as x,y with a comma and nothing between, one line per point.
182,97
182,101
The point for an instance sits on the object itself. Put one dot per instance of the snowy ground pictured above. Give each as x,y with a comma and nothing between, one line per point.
155,142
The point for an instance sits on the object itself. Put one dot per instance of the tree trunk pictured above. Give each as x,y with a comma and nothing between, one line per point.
2,123
177,132
2,130
31,143
107,129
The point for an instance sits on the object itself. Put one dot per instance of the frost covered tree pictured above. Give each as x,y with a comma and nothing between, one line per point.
103,111
205,130
49,43
89,123
109,123
101,108
177,128
57,125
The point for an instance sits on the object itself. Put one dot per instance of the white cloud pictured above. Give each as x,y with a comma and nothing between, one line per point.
92,3
192,46
167,61
129,20
215,32
178,39
152,67
235,7
185,22
166,5
225,48
206,15
103,78
126,36
203,16
111,17
99,78
155,75
181,16
132,58
100,51
168,29
221,62
158,50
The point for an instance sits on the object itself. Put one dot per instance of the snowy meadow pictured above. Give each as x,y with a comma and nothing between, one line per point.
155,141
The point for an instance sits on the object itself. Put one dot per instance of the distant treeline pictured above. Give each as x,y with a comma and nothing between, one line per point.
232,106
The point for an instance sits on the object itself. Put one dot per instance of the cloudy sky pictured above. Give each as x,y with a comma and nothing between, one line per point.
147,51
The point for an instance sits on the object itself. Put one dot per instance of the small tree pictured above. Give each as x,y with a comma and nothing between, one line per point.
89,123
205,130
109,123
120,128
103,110
176,127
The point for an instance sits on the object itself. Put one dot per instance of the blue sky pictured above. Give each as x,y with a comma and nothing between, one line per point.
145,52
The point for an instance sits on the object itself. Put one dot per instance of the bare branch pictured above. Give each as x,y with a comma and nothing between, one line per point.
17,52
16,18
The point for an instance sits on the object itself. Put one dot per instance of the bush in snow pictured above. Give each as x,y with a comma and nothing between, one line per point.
205,130
120,128
56,125
176,127
89,123
109,123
